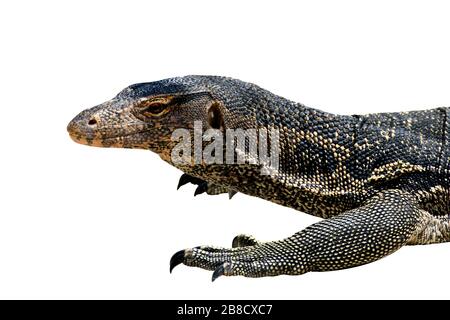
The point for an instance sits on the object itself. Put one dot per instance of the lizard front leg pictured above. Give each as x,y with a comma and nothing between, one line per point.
381,226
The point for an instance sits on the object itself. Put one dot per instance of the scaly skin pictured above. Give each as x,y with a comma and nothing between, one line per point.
380,180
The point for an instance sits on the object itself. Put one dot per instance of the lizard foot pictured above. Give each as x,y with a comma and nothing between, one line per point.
186,178
259,260
204,186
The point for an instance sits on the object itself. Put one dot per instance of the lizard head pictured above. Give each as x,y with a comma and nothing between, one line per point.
145,115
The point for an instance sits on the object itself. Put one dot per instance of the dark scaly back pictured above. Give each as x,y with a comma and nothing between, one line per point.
331,163
407,150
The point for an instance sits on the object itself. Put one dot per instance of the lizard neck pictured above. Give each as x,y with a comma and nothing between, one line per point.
313,143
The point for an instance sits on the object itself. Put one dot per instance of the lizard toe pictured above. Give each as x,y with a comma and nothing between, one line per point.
202,188
223,269
244,240
186,178
177,259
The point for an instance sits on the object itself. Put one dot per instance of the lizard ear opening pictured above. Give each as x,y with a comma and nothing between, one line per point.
215,118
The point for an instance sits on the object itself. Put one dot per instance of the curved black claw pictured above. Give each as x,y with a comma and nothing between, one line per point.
202,187
220,271
185,179
177,259
231,194
224,269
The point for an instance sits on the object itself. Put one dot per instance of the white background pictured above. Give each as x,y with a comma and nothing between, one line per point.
79,222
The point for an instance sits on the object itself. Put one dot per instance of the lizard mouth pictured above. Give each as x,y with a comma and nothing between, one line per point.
115,141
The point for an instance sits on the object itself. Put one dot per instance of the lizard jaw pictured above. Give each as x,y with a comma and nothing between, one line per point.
93,142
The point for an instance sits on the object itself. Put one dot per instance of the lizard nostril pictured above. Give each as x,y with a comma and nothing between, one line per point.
92,122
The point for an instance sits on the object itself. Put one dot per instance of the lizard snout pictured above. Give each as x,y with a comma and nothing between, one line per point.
83,127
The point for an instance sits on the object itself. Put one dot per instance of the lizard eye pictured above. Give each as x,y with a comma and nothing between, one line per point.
154,107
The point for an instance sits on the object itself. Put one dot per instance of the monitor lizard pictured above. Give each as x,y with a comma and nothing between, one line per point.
380,181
